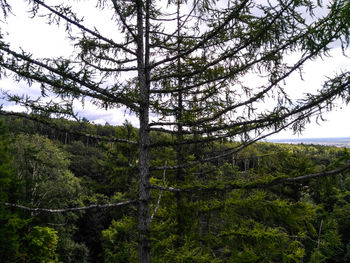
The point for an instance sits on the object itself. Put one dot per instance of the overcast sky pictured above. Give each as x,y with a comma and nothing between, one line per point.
49,41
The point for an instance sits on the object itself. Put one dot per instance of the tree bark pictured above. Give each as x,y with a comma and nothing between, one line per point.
179,148
144,248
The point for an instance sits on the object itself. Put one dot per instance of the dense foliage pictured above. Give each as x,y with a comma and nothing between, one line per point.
198,75
231,221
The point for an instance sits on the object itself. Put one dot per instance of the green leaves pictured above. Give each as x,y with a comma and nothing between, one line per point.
42,243
120,241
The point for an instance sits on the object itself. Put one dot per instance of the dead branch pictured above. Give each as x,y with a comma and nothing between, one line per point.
69,209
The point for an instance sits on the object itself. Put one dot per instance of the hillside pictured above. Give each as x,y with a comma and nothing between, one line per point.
233,209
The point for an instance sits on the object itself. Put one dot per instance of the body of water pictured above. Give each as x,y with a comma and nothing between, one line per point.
338,142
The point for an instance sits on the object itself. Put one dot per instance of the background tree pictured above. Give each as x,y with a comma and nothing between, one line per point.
193,79
235,209
20,241
8,250
43,180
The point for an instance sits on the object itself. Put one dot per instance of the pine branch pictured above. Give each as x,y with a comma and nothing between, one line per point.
207,36
258,185
319,101
122,18
251,100
231,53
39,119
108,69
95,34
176,32
226,153
321,26
40,77
233,150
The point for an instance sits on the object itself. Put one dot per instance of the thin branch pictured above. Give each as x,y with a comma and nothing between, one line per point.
176,32
65,75
160,195
122,18
233,150
106,69
231,53
273,117
258,185
170,189
39,119
70,209
207,36
84,28
319,235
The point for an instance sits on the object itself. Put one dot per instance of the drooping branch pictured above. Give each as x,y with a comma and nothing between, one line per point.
83,28
230,53
100,93
319,101
257,185
235,149
53,125
208,36
123,20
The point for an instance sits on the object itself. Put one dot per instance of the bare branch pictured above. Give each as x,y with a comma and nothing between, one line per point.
70,209
160,195
164,188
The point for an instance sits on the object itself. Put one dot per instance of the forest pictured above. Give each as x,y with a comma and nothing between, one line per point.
230,212
205,81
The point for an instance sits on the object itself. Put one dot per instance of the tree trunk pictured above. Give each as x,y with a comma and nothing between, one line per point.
180,177
144,248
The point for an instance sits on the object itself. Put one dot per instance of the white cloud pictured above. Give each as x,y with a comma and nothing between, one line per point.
315,74
50,41
101,116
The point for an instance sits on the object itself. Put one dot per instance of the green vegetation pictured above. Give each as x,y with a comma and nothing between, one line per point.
189,185
229,212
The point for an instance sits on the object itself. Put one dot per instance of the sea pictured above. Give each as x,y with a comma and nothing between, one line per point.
332,141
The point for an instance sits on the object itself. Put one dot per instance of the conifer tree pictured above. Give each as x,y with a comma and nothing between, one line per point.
190,76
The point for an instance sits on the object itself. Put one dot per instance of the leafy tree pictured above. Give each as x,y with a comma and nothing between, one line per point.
9,222
20,243
43,179
190,76
43,170
5,168
42,242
